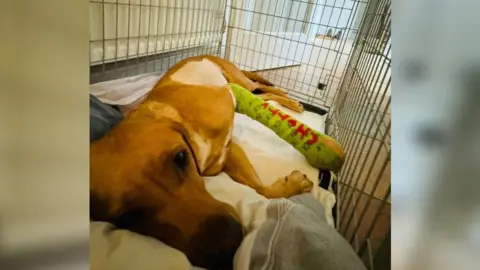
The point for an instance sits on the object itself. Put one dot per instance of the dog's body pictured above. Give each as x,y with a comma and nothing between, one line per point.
146,172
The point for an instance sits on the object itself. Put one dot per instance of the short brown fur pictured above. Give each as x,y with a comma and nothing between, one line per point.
136,181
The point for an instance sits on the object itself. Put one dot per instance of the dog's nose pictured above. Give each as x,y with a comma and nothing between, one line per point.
218,241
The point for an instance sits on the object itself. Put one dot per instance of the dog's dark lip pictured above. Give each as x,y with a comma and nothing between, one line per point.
222,268
215,264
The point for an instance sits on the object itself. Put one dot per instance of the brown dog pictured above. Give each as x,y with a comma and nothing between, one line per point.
146,173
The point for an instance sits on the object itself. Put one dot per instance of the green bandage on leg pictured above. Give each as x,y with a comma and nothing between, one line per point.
320,150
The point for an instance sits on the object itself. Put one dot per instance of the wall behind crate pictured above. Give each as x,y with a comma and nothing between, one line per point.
128,29
130,37
267,34
280,39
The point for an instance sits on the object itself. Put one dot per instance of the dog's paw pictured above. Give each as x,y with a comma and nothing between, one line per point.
293,184
295,106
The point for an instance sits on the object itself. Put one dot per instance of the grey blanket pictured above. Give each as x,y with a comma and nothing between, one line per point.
297,236
102,118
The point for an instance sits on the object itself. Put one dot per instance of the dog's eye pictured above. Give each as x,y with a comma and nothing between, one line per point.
180,159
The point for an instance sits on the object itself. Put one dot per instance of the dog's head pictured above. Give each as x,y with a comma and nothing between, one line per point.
145,178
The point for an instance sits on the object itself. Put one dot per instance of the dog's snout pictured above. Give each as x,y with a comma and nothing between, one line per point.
217,242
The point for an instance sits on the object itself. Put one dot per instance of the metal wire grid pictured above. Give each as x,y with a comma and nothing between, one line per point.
360,120
131,37
313,62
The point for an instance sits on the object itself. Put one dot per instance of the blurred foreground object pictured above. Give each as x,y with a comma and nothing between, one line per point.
44,146
436,154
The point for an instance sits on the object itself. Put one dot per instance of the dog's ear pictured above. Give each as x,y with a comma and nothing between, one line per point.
99,208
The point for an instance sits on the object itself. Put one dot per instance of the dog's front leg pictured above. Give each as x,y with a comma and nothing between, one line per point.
239,168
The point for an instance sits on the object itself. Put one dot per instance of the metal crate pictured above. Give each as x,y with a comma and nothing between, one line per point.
333,54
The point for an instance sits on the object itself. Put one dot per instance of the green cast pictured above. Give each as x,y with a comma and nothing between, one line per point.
320,150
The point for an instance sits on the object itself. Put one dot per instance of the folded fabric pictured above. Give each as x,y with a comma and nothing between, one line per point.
295,235
111,248
102,118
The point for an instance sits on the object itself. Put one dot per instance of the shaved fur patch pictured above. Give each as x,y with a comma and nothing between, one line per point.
203,72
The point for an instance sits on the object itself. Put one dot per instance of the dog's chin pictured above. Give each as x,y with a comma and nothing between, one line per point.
213,261
215,245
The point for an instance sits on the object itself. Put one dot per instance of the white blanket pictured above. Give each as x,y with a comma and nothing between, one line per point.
270,155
